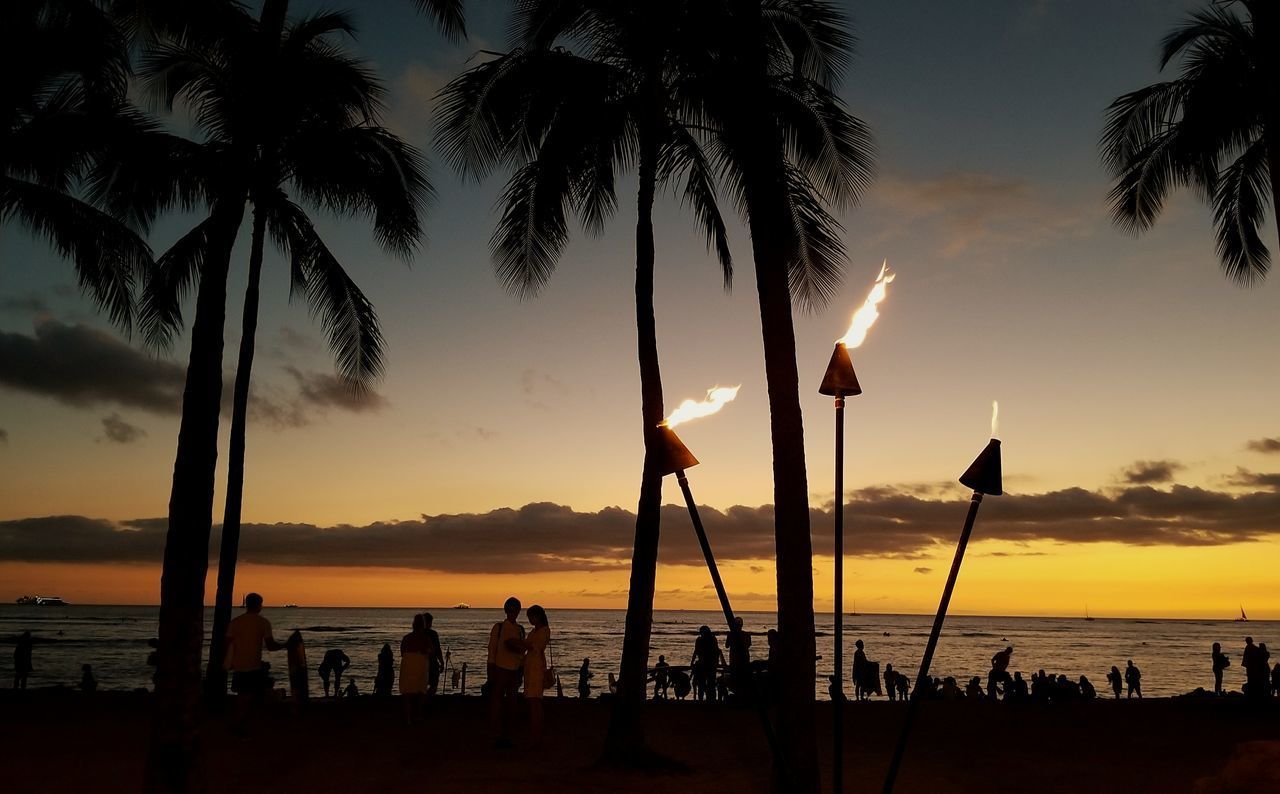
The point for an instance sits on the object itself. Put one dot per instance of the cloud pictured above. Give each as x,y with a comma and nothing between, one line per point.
1265,445
922,570
323,390
1144,472
545,537
31,304
118,431
969,210
1252,479
82,366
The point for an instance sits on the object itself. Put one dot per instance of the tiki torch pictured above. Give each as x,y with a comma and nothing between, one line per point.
673,458
984,477
839,382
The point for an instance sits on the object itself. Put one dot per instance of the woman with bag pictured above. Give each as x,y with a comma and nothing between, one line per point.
537,676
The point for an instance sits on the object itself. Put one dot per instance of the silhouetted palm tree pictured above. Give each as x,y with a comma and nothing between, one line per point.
1216,129
786,147
277,107
568,123
65,70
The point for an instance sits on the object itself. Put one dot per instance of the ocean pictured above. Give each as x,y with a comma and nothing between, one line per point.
1172,654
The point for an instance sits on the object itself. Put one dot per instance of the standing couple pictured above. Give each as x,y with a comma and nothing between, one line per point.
513,656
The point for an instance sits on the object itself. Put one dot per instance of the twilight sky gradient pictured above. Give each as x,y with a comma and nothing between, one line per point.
1132,377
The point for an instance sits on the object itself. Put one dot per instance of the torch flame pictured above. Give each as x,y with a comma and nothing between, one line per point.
995,419
716,399
866,316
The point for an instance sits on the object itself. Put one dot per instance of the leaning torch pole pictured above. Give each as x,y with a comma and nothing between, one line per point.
840,381
984,477
674,458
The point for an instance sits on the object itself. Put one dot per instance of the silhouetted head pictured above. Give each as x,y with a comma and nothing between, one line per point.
512,607
537,615
86,668
1017,676
858,644
1131,663
704,631
772,636
1262,646
1217,647
661,658
1248,640
386,649
418,624
888,668
427,620
1115,669
737,622
586,662
1009,649
26,635
253,602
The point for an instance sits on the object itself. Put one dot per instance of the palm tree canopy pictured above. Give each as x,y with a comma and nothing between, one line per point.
62,99
448,16
1207,129
567,123
279,114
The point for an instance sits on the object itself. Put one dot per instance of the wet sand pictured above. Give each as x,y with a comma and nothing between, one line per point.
65,741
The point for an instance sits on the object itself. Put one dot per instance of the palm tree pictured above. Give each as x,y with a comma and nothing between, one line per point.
787,148
65,68
278,107
1215,128
568,123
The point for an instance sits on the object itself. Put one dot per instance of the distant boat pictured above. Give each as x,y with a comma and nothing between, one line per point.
1086,612
1243,617
462,606
42,601
289,606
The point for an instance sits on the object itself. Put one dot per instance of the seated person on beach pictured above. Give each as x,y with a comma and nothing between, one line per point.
351,691
505,659
1020,691
998,679
834,690
661,681
1086,688
87,682
1133,677
680,684
973,690
247,634
334,663
951,690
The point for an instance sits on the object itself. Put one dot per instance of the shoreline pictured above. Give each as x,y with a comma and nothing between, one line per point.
1168,744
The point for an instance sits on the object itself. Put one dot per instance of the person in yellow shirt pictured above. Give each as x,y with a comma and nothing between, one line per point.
505,660
247,634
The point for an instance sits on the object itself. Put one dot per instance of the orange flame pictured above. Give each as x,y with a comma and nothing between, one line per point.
715,400
865,317
995,419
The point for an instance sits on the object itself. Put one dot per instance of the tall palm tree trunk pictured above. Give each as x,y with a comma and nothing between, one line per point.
625,740
215,676
794,548
173,759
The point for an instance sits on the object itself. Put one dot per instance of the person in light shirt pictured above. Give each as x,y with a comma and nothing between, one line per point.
247,635
505,660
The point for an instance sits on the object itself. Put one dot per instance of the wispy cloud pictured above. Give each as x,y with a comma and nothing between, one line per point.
118,431
1267,446
1143,472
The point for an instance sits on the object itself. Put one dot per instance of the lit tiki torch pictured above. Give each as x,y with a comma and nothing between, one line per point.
675,458
840,381
984,477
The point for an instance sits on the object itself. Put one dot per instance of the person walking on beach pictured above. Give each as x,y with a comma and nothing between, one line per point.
296,655
385,678
661,682
1116,680
536,671
999,674
890,681
1133,677
247,634
1220,662
706,658
334,663
584,679
22,660
505,657
436,661
414,664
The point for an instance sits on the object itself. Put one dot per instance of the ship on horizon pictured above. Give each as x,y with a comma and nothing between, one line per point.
42,601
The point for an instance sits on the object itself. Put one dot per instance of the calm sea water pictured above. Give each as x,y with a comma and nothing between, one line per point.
1173,654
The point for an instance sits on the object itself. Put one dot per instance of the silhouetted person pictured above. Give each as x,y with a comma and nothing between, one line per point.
505,658
435,661
351,691
87,682
1264,670
334,663
904,687
834,690
1133,678
1087,690
1020,691
661,680
1275,680
1256,671
385,678
1220,662
951,690
1116,680
999,675
536,670
680,684
973,690
153,658
584,679
738,643
296,653
247,634
863,681
414,669
890,681
22,660
706,658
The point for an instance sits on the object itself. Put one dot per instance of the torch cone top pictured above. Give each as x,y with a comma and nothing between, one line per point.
672,454
984,475
840,379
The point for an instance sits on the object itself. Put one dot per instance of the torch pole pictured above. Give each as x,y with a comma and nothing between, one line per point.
837,706
727,608
922,679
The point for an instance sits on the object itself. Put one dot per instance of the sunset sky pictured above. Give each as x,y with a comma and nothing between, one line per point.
1138,387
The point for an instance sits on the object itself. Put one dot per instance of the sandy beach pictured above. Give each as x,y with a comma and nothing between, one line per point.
65,741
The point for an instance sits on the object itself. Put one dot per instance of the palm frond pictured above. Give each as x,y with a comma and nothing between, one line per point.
1239,208
814,34
683,158
532,231
816,267
832,146
448,16
175,274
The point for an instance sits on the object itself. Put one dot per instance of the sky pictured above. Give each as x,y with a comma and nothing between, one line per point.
502,451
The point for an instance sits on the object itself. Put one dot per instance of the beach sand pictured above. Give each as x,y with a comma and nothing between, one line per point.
64,741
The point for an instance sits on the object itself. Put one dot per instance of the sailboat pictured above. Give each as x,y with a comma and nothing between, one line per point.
1086,612
1243,617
